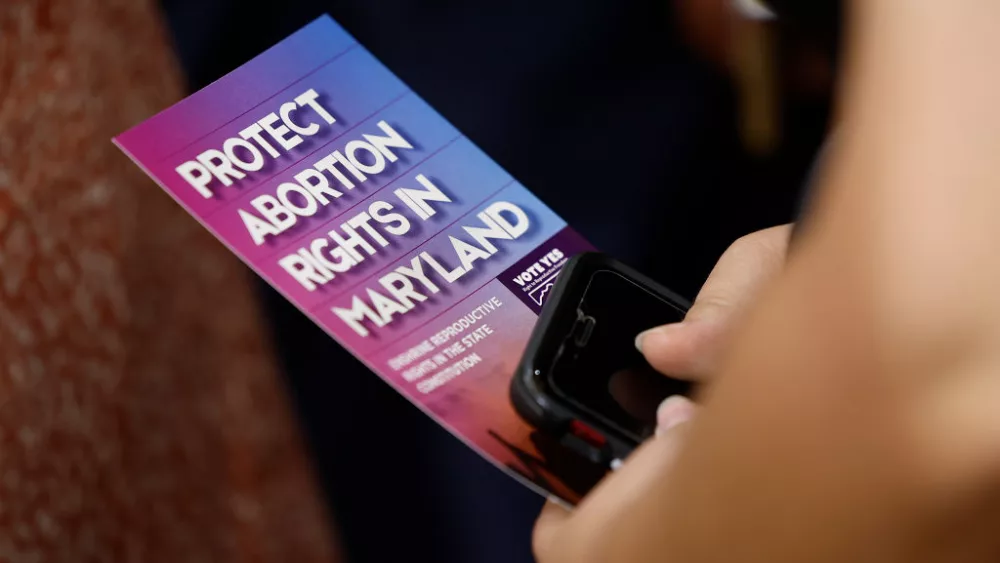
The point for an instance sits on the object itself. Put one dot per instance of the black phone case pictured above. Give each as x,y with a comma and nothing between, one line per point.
529,392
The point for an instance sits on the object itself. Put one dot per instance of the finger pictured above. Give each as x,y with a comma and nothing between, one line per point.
648,464
682,350
550,522
672,413
692,349
743,268
561,535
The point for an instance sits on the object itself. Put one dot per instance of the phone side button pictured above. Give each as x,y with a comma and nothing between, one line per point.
587,442
587,434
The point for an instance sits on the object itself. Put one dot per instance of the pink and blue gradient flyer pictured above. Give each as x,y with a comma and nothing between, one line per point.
381,222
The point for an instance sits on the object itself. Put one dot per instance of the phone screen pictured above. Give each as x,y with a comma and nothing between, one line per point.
597,367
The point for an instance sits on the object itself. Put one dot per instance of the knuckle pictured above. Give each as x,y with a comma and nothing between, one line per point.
747,244
712,302
769,241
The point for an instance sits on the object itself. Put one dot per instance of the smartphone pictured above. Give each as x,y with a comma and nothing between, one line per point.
581,380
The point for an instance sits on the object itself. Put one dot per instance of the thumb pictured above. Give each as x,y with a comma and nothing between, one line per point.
692,349
562,535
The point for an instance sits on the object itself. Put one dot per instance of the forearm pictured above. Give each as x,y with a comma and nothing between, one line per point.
854,420
916,188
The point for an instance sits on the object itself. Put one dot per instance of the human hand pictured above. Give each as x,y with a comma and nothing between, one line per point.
855,416
586,534
692,349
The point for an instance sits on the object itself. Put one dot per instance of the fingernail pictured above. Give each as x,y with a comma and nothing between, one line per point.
641,336
672,412
655,333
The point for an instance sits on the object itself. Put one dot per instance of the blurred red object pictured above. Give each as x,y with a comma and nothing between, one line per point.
141,418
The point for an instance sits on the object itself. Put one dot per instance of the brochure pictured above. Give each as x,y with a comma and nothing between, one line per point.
385,225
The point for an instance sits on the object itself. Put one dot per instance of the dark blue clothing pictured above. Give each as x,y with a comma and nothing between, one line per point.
593,105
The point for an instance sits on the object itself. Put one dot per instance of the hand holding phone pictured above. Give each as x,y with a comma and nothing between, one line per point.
581,379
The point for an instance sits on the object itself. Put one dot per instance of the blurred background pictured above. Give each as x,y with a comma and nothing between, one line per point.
629,118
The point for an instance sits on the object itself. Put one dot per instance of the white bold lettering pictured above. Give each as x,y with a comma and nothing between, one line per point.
352,149
385,306
363,221
257,160
253,132
392,139
317,184
197,176
286,110
258,228
468,253
303,272
402,289
417,199
274,212
416,271
308,98
279,133
286,189
358,312
220,167
493,231
327,165
394,223
521,222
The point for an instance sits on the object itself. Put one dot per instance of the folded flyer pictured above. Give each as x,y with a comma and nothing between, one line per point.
380,221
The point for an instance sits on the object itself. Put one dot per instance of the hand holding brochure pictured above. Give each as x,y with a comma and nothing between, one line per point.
382,223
